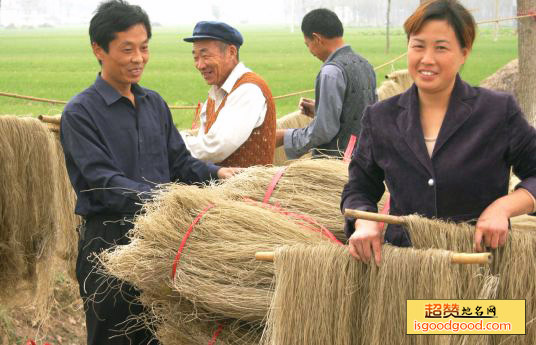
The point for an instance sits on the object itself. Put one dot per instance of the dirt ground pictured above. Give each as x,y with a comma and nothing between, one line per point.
64,326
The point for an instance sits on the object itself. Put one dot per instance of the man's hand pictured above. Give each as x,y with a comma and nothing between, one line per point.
307,106
224,173
366,241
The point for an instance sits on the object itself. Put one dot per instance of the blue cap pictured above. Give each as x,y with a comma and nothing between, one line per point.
216,31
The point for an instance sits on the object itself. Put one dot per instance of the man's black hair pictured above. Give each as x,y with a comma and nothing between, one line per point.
322,21
115,16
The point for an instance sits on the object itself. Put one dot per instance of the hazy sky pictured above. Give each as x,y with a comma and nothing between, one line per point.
235,12
71,12
232,11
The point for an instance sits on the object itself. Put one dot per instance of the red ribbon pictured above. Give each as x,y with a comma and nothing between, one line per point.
32,342
385,210
185,238
349,149
273,184
216,334
305,221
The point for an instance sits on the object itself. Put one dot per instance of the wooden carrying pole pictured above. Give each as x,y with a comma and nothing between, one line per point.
50,119
455,258
386,218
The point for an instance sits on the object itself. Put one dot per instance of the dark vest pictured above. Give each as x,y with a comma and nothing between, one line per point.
360,92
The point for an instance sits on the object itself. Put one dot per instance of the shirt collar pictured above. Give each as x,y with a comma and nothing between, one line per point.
332,55
239,70
110,94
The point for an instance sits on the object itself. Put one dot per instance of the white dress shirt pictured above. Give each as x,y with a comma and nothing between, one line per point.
244,110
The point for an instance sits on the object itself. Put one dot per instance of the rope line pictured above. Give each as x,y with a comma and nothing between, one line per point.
184,107
530,14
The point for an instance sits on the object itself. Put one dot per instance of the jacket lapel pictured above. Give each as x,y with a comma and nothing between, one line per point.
458,112
409,125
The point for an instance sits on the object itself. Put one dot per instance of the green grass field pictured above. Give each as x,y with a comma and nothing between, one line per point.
57,64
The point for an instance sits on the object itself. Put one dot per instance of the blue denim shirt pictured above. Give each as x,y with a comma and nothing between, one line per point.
116,152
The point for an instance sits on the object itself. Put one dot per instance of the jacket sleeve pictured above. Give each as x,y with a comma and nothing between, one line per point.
522,147
365,185
183,167
108,184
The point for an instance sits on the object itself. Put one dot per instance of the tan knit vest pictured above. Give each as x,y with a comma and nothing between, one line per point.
260,146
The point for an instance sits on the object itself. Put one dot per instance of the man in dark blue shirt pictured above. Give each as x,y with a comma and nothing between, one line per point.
119,142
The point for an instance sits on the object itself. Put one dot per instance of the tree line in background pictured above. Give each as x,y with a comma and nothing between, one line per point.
388,13
366,13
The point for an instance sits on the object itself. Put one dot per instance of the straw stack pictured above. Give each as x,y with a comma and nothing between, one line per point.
28,218
215,270
311,187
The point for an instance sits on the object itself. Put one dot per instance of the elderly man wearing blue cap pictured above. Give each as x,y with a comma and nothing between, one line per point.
238,119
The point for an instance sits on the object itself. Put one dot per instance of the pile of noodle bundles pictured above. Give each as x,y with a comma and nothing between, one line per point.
178,323
514,264
324,296
292,120
389,89
28,218
68,221
401,77
67,247
516,267
523,223
309,186
216,269
396,83
430,233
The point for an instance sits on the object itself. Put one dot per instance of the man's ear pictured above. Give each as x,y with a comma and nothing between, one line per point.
97,51
233,50
317,38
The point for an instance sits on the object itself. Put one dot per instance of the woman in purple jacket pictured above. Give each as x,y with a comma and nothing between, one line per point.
443,148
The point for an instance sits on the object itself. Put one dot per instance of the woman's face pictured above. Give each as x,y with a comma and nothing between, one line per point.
435,57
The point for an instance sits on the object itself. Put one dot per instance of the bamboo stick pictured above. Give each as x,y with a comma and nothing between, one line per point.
264,256
456,258
32,98
471,258
50,119
374,216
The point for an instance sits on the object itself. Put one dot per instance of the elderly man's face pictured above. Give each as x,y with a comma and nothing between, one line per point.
215,60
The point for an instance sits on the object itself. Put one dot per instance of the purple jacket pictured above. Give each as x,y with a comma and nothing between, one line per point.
483,135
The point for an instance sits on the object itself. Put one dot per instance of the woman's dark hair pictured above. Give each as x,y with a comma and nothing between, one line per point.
458,17
322,21
115,16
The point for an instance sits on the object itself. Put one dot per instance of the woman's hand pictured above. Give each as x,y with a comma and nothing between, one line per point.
491,228
366,241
